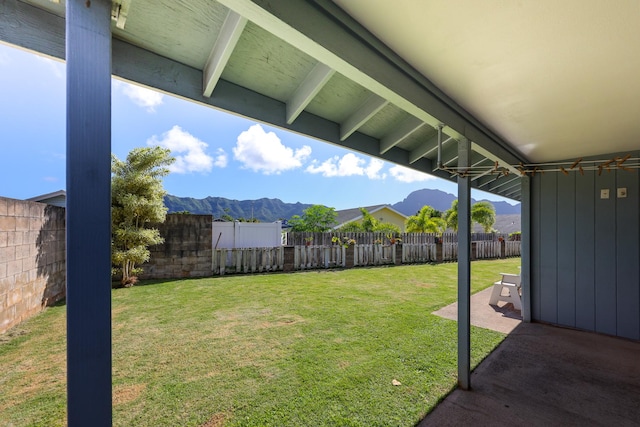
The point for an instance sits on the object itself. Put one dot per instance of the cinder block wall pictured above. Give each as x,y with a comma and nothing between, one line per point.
32,259
186,251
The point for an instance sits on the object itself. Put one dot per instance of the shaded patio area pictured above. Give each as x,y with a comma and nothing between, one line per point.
500,317
543,375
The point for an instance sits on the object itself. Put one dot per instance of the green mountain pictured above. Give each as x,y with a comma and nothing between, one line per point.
265,210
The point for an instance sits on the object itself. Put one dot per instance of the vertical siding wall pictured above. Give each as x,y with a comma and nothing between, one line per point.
32,259
585,254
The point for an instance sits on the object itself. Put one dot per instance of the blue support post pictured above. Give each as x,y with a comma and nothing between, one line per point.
525,251
88,56
464,266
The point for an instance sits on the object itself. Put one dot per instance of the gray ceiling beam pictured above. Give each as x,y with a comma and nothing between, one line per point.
514,193
39,30
221,52
449,155
426,148
425,151
513,187
482,161
504,182
484,181
363,114
308,89
400,133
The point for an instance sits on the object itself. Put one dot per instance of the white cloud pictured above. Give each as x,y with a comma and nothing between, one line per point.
50,179
141,96
263,152
194,158
374,168
56,68
221,159
348,165
402,174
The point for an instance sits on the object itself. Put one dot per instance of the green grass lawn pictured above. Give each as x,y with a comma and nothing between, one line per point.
315,348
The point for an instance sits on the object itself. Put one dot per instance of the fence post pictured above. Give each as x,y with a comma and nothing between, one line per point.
439,254
503,251
349,256
397,250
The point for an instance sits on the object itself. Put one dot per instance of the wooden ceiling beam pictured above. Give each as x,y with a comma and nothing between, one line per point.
221,52
367,110
308,89
401,132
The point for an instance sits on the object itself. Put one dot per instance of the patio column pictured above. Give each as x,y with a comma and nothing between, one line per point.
464,267
525,251
88,56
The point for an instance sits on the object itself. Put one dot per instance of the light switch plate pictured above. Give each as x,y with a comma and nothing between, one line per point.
622,192
604,193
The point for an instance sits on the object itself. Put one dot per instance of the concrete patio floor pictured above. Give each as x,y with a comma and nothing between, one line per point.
501,317
543,375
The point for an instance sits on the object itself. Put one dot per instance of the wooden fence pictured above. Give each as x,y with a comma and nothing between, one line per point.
304,257
319,239
419,253
247,260
313,256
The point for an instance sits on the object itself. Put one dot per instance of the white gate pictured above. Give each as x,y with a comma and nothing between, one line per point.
232,235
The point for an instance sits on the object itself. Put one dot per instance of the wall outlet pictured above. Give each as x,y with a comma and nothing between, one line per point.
604,193
622,193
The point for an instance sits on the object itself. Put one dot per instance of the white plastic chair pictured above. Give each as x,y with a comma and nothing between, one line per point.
510,283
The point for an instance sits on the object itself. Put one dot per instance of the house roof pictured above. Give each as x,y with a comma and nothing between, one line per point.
56,198
348,215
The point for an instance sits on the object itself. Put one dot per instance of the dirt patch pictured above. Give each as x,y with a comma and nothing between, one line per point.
12,333
216,420
426,285
344,364
127,393
283,321
210,374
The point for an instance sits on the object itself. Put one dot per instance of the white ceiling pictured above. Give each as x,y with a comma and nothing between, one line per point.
556,79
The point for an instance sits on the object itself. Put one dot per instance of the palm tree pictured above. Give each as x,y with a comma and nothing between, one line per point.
427,220
482,213
451,216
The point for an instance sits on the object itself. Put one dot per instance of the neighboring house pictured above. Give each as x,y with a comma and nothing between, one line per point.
57,198
383,213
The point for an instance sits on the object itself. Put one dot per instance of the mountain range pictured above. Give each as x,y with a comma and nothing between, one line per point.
269,210
441,201
264,210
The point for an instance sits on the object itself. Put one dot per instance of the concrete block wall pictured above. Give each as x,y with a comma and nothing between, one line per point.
32,259
186,251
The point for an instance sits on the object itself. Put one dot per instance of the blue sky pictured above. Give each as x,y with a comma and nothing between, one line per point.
218,154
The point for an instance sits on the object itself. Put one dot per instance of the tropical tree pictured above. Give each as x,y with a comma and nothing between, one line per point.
427,220
137,200
316,218
451,216
369,222
482,213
